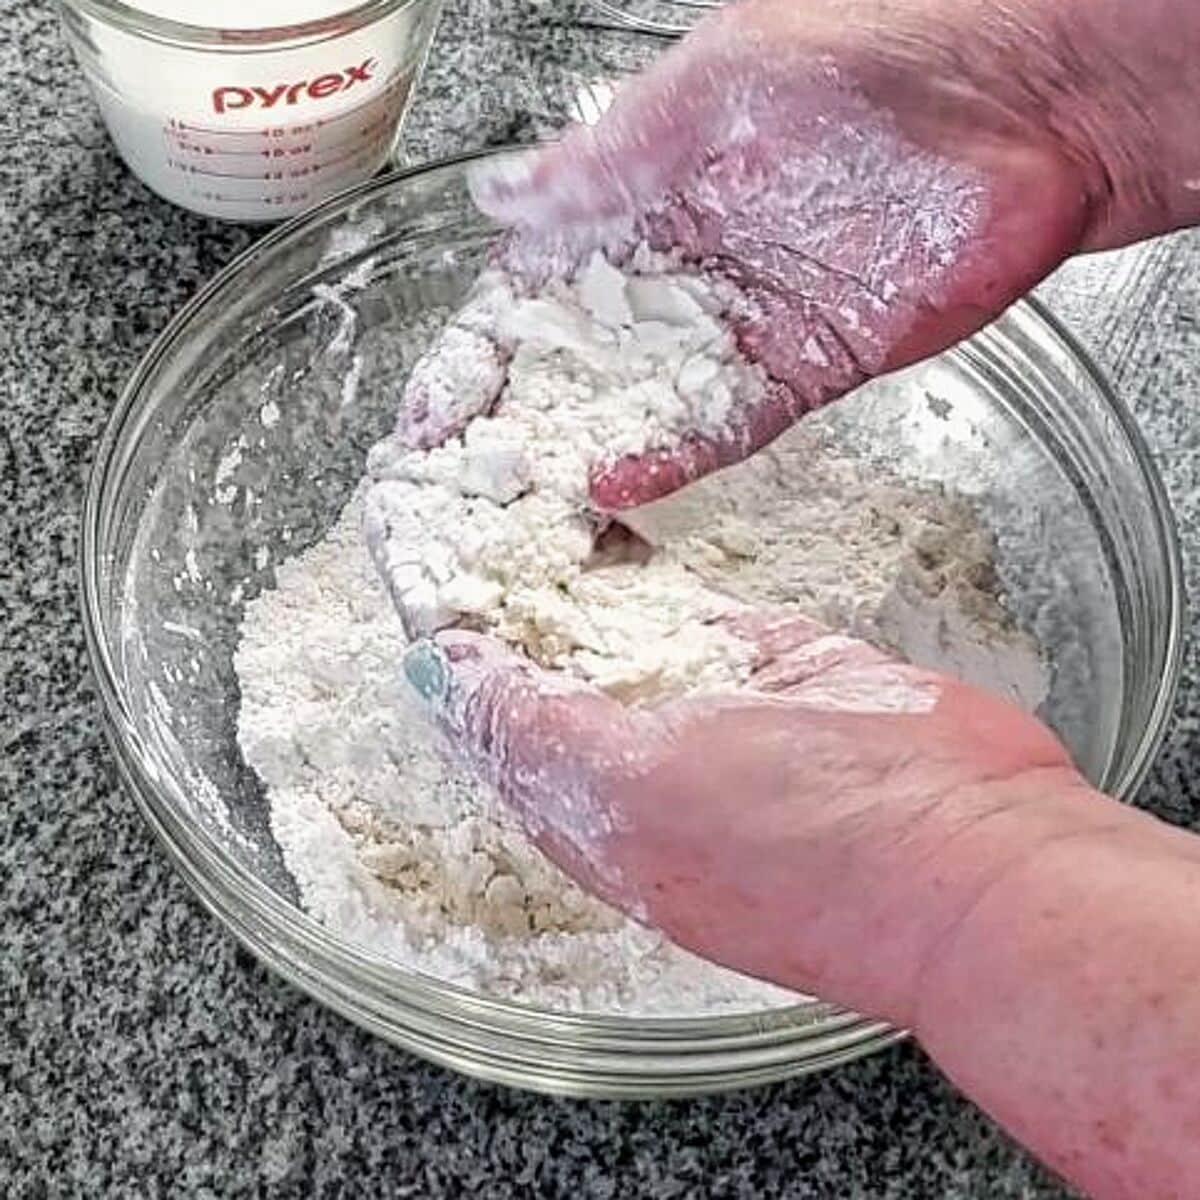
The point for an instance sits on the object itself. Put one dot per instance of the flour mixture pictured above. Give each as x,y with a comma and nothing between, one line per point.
476,512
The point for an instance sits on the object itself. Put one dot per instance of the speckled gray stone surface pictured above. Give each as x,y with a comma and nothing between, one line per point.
143,1053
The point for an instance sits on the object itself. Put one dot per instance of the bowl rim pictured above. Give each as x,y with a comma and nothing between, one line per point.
190,845
348,17
1153,735
622,18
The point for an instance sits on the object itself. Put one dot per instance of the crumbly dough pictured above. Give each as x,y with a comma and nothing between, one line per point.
391,843
492,528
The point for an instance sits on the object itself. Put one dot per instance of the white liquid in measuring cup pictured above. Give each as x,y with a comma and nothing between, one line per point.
249,131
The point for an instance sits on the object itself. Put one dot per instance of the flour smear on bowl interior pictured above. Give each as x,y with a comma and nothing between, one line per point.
393,844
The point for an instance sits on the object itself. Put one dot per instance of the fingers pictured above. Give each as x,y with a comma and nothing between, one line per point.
1036,219
773,631
654,132
551,746
461,375
459,379
793,651
636,479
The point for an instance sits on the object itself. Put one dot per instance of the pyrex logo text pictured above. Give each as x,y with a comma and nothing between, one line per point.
225,99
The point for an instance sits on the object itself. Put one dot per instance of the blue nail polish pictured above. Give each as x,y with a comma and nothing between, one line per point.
426,668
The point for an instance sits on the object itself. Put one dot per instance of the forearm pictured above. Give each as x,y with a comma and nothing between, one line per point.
1120,83
1114,85
1066,1002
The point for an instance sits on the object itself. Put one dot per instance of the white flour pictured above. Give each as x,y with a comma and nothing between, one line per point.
494,526
391,843
394,847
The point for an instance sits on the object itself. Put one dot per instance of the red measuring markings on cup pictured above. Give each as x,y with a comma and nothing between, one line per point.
278,165
264,134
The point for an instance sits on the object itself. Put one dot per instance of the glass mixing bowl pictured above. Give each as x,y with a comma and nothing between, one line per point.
195,497
666,18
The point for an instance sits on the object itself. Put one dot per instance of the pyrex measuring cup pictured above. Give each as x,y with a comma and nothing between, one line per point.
264,110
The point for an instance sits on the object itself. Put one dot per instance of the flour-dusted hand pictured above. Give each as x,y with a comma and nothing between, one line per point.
772,829
877,180
874,179
896,841
480,497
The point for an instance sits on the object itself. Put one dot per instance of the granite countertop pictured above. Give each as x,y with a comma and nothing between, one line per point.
142,1052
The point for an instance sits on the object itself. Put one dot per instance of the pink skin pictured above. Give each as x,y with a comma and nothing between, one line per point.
944,867
435,408
424,424
642,806
858,248
808,151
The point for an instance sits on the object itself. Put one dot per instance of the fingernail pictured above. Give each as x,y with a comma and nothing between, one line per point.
427,669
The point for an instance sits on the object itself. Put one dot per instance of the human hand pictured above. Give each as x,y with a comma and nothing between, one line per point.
879,181
823,829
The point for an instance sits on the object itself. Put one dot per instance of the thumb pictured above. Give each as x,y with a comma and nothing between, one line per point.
552,746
